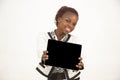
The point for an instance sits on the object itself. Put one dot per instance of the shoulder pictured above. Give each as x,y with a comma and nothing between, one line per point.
75,39
42,38
42,35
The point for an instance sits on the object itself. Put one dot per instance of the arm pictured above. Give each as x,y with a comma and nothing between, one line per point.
41,45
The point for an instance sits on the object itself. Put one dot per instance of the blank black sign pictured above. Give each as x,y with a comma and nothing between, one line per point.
63,54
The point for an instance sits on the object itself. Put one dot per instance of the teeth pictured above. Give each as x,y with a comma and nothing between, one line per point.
68,29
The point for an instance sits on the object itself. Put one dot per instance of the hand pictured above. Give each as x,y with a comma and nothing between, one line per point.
44,56
80,65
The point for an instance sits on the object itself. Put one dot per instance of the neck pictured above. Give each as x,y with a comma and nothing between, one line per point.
59,34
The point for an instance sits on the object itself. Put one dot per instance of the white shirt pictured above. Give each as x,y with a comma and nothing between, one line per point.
42,46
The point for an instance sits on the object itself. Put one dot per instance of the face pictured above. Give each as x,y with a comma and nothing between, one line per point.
67,22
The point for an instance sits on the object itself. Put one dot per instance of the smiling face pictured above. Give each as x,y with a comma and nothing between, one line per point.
66,23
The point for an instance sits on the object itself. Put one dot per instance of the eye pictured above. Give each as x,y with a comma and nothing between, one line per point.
74,24
67,20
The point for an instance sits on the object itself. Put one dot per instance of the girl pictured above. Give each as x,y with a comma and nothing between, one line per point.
66,20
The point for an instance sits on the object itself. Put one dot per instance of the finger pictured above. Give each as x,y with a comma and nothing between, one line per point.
45,56
78,66
45,52
80,58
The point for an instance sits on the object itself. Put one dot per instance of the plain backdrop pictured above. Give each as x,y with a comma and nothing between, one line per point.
98,28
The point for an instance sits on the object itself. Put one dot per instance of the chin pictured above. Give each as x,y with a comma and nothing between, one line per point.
66,33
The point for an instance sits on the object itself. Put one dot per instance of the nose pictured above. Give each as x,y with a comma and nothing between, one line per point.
71,25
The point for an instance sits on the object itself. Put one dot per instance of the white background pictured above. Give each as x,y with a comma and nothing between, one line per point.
98,27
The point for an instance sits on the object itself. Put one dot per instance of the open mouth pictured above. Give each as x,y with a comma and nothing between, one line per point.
67,29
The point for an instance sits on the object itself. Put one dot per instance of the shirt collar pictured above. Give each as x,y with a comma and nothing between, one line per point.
54,36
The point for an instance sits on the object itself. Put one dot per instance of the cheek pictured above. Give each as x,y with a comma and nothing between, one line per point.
72,29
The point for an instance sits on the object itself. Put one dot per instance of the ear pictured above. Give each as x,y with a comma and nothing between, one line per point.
59,19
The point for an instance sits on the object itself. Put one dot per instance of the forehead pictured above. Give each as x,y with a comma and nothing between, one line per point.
70,15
